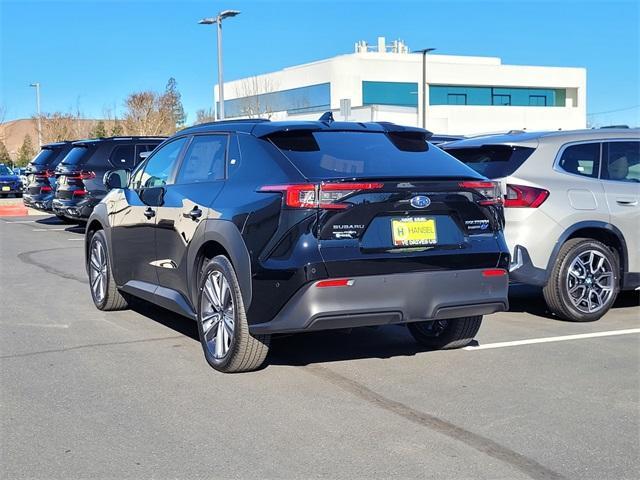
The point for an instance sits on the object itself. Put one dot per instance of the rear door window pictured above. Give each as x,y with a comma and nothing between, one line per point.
581,159
492,161
122,156
204,160
621,161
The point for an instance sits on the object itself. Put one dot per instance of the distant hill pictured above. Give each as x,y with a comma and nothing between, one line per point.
12,133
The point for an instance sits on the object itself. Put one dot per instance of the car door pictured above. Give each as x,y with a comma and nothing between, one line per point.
620,176
187,202
132,215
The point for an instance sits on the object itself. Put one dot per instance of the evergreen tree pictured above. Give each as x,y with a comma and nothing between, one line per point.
4,154
26,152
99,130
174,102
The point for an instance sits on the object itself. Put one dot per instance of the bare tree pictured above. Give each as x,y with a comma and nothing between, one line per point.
257,97
58,126
205,115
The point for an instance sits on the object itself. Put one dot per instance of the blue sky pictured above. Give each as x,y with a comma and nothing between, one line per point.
89,55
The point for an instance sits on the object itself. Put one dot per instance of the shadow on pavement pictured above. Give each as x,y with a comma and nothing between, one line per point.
307,348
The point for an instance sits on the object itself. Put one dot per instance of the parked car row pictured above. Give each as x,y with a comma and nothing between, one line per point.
66,178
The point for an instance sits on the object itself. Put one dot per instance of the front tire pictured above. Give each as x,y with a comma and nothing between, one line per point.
222,322
584,282
446,334
103,288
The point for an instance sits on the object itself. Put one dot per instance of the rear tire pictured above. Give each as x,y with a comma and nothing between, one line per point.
104,292
446,334
224,333
570,273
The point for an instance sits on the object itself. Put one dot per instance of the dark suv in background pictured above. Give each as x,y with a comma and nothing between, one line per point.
254,228
40,172
79,176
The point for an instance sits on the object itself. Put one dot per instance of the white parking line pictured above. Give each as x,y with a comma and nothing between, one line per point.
564,338
75,239
48,229
20,221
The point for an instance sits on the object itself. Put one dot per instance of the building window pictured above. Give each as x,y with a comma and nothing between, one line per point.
537,100
295,100
456,99
402,94
501,100
500,96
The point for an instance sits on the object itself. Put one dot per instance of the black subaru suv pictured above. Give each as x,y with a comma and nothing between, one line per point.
254,228
79,176
41,185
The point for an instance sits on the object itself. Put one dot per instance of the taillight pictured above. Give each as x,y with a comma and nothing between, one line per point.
521,196
45,189
84,175
79,193
324,195
490,191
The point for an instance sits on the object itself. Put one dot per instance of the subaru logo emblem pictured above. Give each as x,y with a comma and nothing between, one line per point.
420,201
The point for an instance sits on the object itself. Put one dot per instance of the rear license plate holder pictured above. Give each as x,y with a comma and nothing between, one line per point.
414,232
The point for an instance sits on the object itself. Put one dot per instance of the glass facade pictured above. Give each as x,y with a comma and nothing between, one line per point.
404,94
503,96
296,100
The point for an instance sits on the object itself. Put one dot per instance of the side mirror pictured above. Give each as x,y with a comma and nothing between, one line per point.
153,196
116,179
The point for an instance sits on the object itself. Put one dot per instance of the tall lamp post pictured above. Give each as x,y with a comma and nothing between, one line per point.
217,20
37,87
424,52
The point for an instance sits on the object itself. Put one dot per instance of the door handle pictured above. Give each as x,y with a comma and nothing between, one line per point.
627,203
194,214
149,213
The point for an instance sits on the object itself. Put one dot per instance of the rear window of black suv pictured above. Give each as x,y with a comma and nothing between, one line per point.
344,154
492,161
77,155
45,156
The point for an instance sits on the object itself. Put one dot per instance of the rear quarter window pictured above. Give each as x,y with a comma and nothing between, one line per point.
492,161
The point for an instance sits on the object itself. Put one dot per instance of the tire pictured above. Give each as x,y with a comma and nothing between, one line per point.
239,351
565,276
105,295
446,334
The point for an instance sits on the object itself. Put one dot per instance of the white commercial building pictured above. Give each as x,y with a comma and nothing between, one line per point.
465,95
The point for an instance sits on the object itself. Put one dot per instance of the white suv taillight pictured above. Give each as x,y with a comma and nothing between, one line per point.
522,196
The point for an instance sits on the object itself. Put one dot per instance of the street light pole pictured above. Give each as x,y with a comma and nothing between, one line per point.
217,20
424,52
37,87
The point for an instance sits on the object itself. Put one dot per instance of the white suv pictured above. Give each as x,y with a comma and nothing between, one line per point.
572,211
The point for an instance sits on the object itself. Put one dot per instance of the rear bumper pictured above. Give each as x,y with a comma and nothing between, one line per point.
75,208
388,299
40,202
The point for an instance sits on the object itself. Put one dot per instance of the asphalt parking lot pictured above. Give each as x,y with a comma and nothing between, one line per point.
129,394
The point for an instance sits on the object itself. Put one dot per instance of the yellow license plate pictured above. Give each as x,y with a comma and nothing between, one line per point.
411,232
6,189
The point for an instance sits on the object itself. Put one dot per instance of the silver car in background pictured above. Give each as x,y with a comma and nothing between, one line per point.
572,211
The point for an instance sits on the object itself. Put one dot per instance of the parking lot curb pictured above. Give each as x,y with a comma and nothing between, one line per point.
13,211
